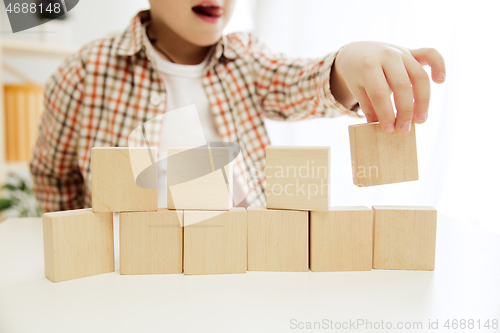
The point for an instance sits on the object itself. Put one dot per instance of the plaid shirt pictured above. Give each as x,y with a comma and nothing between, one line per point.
111,86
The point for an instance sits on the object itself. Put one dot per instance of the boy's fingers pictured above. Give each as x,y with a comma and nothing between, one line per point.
421,89
431,57
366,106
399,82
371,118
379,93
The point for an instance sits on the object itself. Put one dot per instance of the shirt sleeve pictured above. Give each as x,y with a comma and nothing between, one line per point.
57,181
294,89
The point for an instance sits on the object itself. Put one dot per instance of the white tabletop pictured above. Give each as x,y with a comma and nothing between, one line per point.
465,285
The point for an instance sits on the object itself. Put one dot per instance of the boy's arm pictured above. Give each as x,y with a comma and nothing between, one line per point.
57,180
294,89
365,74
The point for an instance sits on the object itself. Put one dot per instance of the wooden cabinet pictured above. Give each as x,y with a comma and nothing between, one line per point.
23,106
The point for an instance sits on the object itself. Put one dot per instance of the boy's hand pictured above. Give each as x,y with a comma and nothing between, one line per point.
372,71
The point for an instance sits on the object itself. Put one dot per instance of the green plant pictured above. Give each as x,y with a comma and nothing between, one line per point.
17,199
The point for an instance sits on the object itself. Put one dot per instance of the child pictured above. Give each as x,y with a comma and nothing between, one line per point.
175,55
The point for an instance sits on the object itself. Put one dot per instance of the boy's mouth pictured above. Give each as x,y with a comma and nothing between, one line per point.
208,11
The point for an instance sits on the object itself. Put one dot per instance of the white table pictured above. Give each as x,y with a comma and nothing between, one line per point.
465,285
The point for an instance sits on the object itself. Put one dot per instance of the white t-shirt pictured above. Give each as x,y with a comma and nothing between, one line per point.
184,127
185,87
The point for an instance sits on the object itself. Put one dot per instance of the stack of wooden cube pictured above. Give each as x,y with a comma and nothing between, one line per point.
202,233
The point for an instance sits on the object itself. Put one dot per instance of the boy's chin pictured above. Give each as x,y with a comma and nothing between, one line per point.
206,40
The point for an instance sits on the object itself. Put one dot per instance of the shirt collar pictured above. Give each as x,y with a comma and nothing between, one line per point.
131,41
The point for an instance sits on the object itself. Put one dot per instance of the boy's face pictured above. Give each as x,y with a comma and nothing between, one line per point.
199,22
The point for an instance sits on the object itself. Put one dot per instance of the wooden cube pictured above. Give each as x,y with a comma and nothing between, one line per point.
199,178
298,178
77,243
215,242
382,158
151,242
278,240
341,239
404,237
123,179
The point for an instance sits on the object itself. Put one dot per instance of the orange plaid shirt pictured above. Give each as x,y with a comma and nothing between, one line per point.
111,86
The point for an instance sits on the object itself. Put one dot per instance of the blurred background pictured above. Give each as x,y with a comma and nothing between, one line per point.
457,147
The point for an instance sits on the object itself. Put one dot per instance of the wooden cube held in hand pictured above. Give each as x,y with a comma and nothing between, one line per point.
404,237
298,178
278,240
215,242
124,179
151,242
199,178
382,158
341,239
77,243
